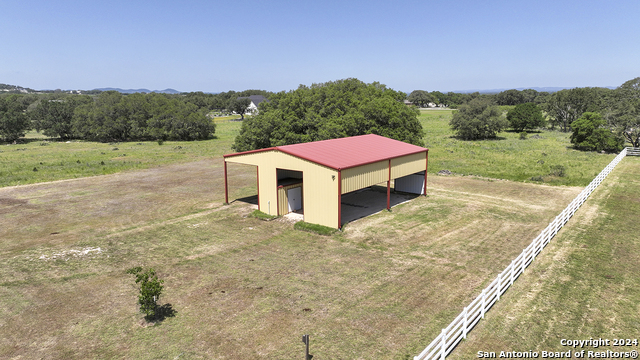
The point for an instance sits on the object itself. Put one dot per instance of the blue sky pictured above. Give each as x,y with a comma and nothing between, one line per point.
275,45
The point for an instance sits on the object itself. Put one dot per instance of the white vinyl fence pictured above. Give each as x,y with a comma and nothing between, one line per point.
450,336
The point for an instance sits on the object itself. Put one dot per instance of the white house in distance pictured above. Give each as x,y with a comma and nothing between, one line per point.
255,101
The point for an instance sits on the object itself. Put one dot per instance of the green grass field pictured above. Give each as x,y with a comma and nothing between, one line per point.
508,157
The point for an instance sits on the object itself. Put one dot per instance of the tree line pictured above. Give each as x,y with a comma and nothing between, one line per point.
599,118
111,116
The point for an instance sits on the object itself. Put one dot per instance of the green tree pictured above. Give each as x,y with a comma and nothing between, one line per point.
239,106
591,134
525,116
565,106
478,119
330,110
55,116
421,98
626,117
510,97
150,290
14,123
115,117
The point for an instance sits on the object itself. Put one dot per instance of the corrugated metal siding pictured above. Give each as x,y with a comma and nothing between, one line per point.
283,198
366,175
413,183
320,191
409,164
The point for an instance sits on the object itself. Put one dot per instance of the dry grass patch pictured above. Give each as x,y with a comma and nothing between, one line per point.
245,288
584,285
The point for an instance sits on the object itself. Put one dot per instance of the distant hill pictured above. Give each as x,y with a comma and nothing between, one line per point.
14,89
131,91
538,89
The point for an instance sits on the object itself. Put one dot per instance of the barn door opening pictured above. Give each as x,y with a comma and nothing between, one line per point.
295,198
290,193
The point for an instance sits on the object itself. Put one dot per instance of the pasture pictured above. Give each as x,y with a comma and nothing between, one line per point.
246,288
584,286
243,287
42,159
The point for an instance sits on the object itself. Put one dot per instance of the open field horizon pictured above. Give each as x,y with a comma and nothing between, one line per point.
508,157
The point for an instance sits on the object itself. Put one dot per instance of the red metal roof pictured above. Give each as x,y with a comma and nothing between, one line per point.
344,153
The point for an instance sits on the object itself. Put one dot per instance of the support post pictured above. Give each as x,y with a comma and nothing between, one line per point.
389,188
425,173
258,185
339,199
226,186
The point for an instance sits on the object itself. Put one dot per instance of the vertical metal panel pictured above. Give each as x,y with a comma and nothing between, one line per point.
320,184
282,201
409,164
283,198
363,176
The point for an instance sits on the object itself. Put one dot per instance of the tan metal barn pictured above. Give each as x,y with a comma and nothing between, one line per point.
314,176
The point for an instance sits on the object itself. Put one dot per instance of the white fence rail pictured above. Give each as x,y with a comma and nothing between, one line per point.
450,336
633,151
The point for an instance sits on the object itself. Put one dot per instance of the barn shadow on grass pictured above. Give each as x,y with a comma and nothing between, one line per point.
369,201
253,200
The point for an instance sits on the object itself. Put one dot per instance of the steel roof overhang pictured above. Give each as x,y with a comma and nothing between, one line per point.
346,153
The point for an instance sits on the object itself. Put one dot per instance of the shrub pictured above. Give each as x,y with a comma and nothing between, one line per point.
557,170
523,135
150,290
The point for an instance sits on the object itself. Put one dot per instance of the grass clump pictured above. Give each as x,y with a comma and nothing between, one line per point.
523,135
558,170
261,215
314,228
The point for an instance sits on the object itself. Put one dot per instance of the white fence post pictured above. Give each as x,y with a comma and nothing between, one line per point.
465,323
484,301
443,350
513,262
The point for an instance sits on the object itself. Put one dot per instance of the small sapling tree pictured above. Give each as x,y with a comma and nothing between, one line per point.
150,290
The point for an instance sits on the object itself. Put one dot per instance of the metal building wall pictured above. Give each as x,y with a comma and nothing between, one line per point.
319,193
360,177
409,164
